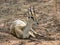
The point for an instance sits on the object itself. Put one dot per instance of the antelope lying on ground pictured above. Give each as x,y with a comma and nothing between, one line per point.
24,29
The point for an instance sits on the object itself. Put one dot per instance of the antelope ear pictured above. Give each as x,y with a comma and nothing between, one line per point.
29,12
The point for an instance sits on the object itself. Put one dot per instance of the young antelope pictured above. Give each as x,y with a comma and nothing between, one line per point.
23,29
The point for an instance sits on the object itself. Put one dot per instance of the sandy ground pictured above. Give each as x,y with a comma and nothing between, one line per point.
7,39
49,12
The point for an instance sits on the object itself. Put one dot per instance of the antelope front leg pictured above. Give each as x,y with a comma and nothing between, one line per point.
34,31
31,32
26,30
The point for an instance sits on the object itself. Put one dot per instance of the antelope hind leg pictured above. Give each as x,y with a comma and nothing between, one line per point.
12,29
18,32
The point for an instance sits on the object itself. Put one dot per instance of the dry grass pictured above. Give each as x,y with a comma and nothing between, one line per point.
49,21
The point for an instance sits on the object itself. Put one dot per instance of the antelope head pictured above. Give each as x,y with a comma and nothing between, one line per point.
32,15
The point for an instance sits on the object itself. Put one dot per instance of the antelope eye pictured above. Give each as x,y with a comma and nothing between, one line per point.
31,17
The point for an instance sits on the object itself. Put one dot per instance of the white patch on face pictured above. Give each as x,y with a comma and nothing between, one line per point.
20,22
